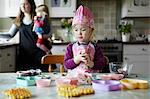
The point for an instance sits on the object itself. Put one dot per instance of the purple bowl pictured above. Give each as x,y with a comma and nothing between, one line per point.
106,85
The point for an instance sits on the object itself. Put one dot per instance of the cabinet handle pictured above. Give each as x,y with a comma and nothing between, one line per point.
143,49
8,54
10,65
0,55
130,11
126,58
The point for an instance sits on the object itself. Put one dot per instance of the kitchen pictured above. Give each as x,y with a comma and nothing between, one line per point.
108,15
107,21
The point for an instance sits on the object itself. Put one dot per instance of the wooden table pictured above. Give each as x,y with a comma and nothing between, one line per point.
7,80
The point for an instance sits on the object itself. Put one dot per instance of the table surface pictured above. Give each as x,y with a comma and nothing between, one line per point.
8,80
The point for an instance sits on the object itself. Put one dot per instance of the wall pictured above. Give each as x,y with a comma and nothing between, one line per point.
106,17
5,24
141,26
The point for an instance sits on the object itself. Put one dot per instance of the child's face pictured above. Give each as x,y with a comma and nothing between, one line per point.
82,33
39,13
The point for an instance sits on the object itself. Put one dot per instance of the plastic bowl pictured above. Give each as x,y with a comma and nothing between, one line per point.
43,82
115,66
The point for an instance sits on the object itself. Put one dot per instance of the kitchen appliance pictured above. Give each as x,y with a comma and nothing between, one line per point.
113,50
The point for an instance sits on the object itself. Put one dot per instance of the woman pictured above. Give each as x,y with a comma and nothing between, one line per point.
29,56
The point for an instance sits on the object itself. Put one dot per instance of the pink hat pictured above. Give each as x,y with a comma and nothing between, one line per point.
83,16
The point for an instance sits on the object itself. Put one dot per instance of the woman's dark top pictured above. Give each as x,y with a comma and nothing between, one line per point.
29,55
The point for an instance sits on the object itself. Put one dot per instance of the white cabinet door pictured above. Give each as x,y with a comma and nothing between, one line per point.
0,60
12,7
141,63
39,2
135,8
8,59
139,56
136,49
58,49
141,68
2,10
61,8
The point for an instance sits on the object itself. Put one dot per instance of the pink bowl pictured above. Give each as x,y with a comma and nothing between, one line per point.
43,82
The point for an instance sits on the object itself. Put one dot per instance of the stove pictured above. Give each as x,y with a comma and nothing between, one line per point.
112,49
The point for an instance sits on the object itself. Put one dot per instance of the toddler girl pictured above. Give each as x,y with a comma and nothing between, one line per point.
83,56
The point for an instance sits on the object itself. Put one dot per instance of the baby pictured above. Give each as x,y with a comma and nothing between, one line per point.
39,24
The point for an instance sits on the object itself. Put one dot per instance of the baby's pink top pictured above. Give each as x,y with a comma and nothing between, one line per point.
39,22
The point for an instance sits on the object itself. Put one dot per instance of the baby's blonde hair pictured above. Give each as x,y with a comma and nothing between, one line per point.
44,9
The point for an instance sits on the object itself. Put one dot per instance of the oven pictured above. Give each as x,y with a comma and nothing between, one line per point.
114,56
113,50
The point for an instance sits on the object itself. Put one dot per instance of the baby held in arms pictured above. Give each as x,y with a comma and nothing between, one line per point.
40,21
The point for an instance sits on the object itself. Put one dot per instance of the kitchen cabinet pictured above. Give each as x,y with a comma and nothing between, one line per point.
7,58
12,7
61,8
58,49
135,8
139,56
2,11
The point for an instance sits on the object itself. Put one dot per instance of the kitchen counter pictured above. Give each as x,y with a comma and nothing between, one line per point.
62,43
111,41
137,42
4,45
7,80
7,42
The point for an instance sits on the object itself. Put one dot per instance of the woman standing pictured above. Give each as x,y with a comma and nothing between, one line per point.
29,56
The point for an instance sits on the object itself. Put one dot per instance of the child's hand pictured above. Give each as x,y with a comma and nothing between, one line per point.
87,60
35,17
82,56
79,57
